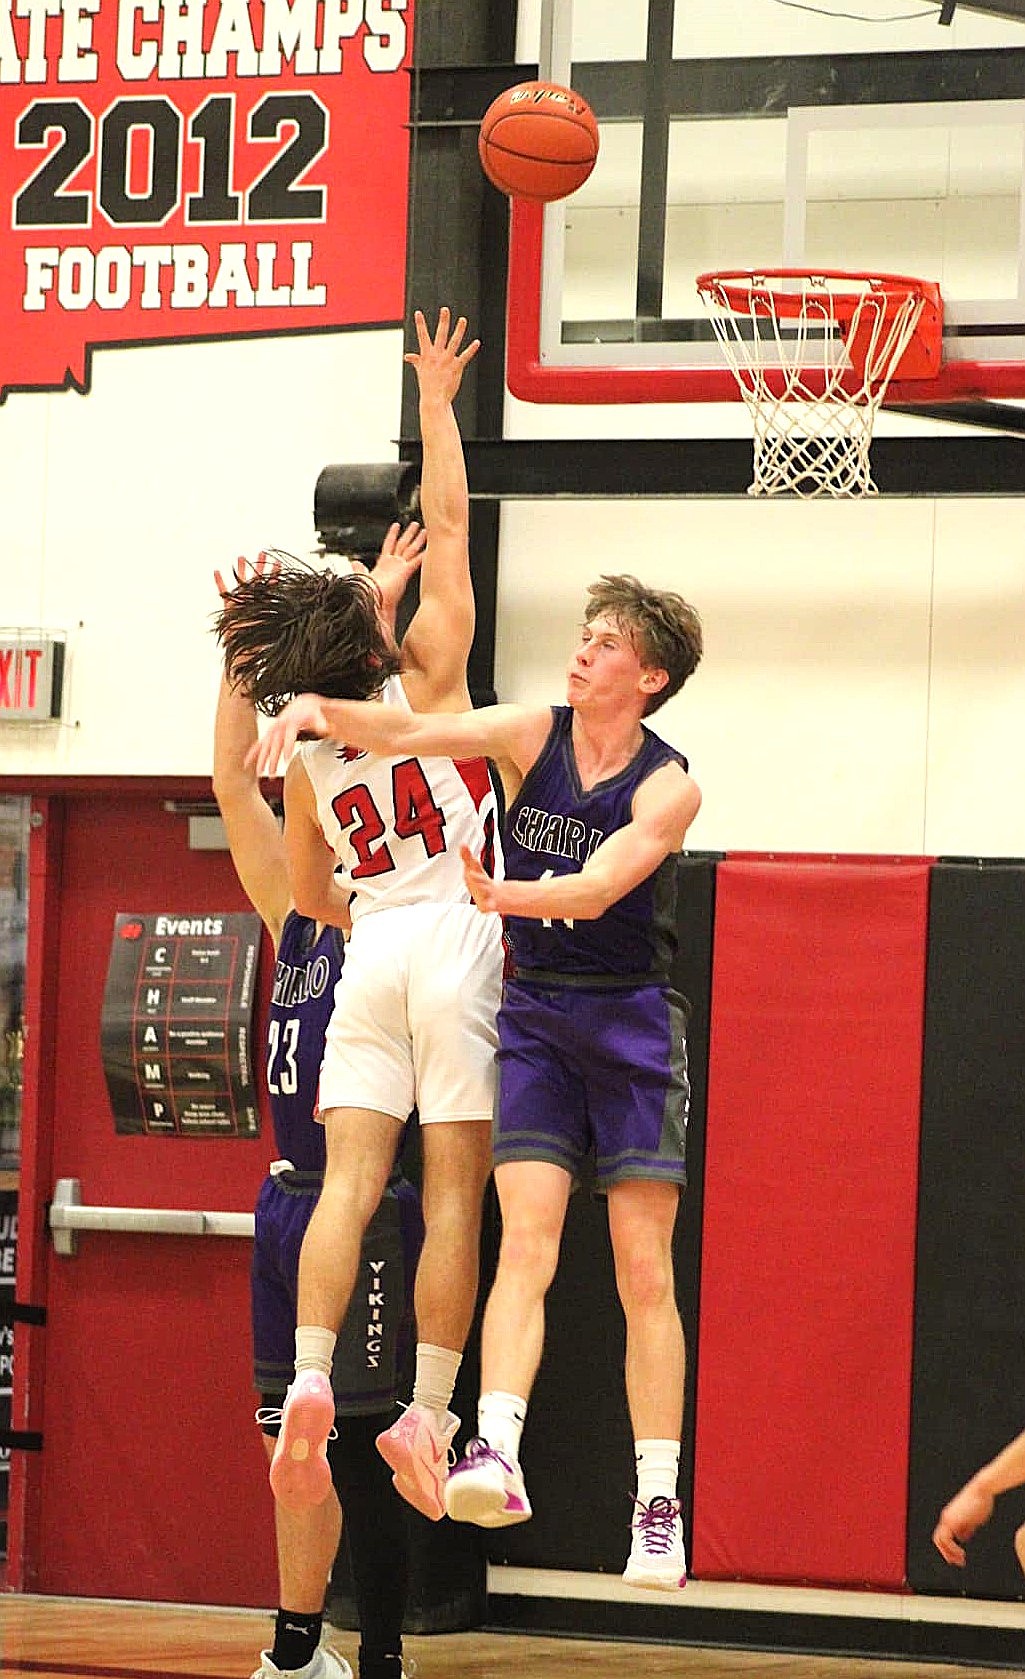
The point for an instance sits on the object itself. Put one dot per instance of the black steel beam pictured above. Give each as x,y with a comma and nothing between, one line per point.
990,416
651,222
698,88
453,96
619,469
764,87
1012,9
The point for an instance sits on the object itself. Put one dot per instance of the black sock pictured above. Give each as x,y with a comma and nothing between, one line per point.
387,1665
296,1637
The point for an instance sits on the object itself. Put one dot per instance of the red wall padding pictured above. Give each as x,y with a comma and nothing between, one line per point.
807,1273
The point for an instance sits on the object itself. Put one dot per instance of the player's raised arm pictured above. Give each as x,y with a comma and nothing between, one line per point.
437,643
254,837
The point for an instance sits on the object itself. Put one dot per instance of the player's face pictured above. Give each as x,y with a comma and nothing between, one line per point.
605,663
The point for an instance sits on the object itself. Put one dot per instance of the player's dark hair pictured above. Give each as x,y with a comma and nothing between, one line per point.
300,630
664,628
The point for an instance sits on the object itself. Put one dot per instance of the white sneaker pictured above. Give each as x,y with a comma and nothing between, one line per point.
487,1489
325,1663
657,1557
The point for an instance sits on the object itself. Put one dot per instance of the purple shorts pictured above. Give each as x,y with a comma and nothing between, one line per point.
602,1072
376,1334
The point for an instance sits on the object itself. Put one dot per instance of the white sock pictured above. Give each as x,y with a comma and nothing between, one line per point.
500,1419
436,1372
314,1348
658,1469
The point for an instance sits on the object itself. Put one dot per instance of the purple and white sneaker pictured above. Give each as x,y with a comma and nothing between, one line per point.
657,1558
486,1488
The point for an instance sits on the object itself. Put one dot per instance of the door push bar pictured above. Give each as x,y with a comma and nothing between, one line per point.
68,1216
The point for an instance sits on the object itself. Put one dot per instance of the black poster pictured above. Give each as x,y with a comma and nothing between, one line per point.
177,1025
8,1244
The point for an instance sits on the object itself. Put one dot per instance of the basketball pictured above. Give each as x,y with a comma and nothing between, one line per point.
538,140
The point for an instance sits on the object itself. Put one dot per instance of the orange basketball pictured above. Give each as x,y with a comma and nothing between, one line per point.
538,140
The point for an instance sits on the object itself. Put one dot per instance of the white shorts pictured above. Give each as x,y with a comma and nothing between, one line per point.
413,1022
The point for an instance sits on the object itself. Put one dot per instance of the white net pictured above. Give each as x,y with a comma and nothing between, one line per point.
813,355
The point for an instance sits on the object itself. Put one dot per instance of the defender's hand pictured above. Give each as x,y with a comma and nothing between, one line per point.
439,361
305,715
482,889
967,1511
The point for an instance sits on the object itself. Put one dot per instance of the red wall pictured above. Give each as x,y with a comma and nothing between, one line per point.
152,1481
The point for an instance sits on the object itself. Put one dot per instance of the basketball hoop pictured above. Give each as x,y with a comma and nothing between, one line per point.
813,354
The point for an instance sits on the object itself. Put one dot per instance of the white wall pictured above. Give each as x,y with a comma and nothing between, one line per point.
118,505
863,683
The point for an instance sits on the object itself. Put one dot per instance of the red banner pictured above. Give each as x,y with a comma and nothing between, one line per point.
185,169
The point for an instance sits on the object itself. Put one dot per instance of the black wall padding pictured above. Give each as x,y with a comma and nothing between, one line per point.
968,1392
577,1449
19,1311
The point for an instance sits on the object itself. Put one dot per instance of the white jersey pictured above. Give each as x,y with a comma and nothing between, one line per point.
396,824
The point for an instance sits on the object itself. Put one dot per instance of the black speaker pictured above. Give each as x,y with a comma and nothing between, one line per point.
354,505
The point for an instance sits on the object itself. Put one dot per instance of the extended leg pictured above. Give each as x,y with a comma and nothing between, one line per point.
306,1545
487,1486
457,1161
360,1151
642,1217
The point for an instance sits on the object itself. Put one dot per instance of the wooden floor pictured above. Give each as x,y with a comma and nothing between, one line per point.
54,1638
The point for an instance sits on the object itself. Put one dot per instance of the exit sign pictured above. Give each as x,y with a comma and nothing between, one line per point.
31,675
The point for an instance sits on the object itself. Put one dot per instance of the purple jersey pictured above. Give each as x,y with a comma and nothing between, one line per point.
552,828
305,976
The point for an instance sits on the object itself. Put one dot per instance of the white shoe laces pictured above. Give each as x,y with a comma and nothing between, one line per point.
272,1416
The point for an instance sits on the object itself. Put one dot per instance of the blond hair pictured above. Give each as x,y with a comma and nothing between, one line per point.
664,628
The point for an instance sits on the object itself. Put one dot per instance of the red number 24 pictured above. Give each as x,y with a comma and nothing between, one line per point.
415,812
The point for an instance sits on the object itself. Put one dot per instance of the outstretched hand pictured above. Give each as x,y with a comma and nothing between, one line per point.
265,565
482,889
304,715
401,555
439,361
967,1511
